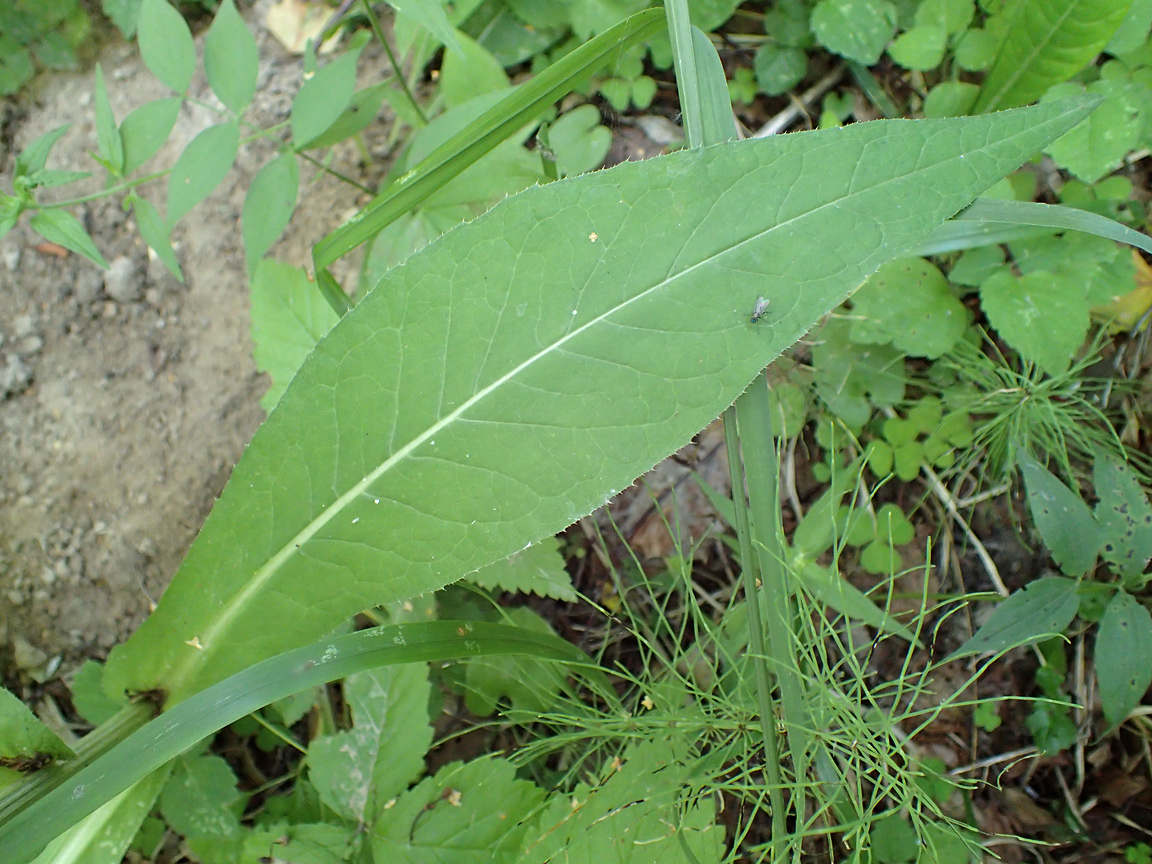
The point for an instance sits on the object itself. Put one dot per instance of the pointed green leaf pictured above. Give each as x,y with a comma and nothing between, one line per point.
230,59
469,72
62,227
323,98
33,157
1042,608
200,168
26,744
1065,523
1123,649
359,114
430,15
485,397
166,44
1046,42
289,316
356,772
539,570
156,234
268,206
108,141
1124,514
146,129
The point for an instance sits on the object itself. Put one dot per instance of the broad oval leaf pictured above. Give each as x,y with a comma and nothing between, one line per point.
146,129
323,98
516,373
1046,42
231,60
1042,608
430,15
268,206
1065,523
200,168
1123,652
166,44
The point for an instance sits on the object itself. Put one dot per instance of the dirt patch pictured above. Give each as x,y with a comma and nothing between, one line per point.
126,397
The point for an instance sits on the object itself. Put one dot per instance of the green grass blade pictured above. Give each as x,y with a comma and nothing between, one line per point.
522,106
989,210
1047,42
517,372
152,746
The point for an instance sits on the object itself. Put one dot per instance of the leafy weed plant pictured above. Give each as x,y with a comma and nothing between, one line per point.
514,374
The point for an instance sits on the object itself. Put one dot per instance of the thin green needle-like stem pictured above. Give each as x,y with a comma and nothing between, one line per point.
392,59
755,628
104,193
334,173
761,466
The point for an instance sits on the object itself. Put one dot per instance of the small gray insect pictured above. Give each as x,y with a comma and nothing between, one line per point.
759,310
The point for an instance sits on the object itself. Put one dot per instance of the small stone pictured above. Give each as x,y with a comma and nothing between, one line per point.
123,281
15,376
110,309
48,577
11,258
27,656
30,345
87,287
16,598
23,325
153,297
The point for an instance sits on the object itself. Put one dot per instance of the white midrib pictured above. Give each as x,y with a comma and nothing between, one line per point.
209,638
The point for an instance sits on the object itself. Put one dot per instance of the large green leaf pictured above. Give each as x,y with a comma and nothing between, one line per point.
515,374
1046,42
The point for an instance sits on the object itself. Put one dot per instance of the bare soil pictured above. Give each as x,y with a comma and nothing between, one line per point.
126,397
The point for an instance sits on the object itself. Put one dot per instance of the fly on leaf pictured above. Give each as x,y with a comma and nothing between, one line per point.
759,310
